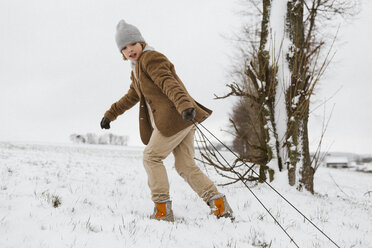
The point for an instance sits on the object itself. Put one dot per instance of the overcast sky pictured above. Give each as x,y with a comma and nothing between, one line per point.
60,69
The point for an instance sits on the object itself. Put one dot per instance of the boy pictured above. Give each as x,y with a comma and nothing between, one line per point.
167,113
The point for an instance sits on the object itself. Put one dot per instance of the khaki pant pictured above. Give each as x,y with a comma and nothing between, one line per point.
182,146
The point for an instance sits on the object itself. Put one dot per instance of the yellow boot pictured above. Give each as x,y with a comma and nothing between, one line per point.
163,211
220,207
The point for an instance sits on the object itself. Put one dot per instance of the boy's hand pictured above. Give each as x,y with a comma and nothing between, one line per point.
188,114
105,123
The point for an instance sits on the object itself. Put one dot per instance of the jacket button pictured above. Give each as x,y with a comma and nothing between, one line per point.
153,110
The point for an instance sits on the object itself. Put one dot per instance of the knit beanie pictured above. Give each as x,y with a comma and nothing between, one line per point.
127,34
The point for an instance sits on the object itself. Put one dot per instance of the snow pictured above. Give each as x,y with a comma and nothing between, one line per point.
105,202
278,46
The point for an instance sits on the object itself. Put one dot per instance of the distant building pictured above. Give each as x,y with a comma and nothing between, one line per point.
336,162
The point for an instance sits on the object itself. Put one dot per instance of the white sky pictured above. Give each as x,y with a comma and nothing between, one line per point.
60,69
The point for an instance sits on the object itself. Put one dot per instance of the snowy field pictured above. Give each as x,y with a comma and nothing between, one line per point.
97,196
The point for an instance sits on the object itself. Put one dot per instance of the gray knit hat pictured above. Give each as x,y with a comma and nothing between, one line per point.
127,34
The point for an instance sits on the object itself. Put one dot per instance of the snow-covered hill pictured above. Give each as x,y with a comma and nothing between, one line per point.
97,196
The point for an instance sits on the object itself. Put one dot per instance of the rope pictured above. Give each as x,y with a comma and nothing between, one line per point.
242,180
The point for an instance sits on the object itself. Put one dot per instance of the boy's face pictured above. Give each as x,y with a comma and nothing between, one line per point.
132,51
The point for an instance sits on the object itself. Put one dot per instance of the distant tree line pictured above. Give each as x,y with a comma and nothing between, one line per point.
364,160
105,139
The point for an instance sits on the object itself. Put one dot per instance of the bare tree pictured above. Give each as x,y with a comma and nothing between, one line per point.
284,57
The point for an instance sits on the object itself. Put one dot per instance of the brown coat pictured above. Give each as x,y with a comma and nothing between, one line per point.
159,85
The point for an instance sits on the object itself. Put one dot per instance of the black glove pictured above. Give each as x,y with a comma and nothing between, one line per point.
105,123
188,114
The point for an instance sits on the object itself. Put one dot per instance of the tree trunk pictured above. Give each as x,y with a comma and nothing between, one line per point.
307,171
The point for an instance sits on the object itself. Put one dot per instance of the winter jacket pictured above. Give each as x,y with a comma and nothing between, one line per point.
157,83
